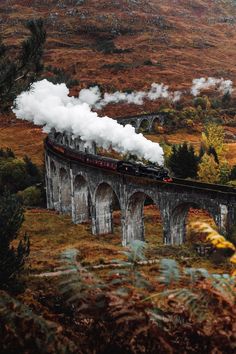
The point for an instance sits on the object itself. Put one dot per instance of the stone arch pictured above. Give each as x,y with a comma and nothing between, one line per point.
178,220
82,200
133,123
64,191
144,125
102,222
134,217
155,123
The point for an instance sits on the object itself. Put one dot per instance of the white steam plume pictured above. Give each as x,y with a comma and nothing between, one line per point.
93,96
49,105
221,85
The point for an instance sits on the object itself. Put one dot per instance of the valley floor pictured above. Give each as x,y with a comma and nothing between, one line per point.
52,233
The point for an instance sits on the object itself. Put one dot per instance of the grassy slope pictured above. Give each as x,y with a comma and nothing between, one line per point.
52,233
23,139
182,40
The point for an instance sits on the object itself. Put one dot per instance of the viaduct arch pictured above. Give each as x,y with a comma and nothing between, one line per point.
144,122
87,193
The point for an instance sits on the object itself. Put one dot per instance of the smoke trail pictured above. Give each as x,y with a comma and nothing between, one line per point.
49,105
93,96
90,96
221,85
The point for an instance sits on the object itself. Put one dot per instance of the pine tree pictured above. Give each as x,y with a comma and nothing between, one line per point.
202,151
19,71
208,170
212,151
183,162
11,258
226,99
32,171
233,173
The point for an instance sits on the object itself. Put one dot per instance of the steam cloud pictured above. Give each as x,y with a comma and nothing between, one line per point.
49,105
93,96
221,85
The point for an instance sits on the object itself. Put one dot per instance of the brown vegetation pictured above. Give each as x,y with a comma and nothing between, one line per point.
51,234
135,43
170,313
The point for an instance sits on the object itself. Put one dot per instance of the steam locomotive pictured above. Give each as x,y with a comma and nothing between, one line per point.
148,171
125,167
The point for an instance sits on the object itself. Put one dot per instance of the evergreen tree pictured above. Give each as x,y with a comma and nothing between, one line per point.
202,151
226,99
10,153
18,71
212,151
183,162
11,258
34,175
233,173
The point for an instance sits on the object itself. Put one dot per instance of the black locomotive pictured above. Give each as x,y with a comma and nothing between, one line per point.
148,171
125,167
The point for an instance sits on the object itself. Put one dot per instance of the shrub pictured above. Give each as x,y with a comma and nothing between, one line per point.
203,102
106,46
31,196
224,172
58,76
22,331
7,153
16,174
189,113
128,320
13,175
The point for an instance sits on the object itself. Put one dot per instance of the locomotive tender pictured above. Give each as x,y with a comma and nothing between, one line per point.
125,167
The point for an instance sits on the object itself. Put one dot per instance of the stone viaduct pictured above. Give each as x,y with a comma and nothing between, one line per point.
88,193
144,121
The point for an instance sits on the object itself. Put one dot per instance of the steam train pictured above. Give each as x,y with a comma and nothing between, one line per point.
125,167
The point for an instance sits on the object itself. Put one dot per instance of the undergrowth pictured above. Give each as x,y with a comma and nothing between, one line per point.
123,310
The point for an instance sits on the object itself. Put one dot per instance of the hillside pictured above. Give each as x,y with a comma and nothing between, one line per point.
134,42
